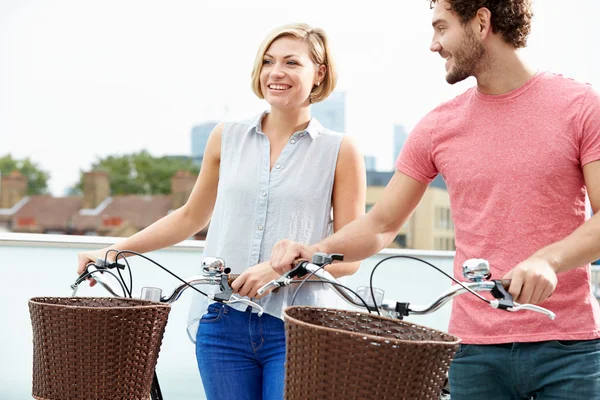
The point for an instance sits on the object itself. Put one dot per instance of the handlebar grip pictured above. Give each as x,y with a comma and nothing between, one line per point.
231,278
297,262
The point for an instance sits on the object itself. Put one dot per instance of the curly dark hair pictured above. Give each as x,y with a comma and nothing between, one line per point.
510,18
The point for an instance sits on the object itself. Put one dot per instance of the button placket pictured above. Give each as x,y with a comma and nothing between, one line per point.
262,209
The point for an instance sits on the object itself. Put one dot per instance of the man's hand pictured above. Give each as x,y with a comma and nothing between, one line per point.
532,281
285,252
248,283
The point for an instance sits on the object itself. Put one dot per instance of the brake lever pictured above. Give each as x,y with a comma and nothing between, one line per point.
298,270
276,284
82,277
98,276
100,265
250,303
533,307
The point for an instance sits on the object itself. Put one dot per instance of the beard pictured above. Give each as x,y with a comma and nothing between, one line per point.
467,58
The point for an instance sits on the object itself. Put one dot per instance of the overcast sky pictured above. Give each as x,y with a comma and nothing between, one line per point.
82,79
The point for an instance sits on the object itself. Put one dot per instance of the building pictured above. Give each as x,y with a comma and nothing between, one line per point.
94,213
199,138
331,112
400,136
430,227
97,212
370,163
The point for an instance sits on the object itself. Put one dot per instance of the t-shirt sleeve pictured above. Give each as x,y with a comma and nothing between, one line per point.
589,119
415,159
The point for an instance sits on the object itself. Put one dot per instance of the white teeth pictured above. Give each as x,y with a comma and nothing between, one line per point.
279,87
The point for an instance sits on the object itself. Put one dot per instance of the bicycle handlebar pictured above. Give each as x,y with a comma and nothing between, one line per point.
214,273
396,309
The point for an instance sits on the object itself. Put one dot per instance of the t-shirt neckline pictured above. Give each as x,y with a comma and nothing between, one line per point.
513,93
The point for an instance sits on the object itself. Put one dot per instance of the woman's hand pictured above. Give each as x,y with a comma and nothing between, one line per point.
90,257
248,283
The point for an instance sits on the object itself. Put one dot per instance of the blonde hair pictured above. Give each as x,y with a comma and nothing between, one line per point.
318,44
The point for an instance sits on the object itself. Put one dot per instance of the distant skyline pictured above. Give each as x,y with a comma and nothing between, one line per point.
331,112
199,139
82,79
400,136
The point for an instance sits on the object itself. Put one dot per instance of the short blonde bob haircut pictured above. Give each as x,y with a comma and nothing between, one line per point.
318,44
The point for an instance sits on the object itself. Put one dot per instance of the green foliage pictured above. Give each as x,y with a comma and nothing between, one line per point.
37,179
140,173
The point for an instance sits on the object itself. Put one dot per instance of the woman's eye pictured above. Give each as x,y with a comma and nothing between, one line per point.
266,62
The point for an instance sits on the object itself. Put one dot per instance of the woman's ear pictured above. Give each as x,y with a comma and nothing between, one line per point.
321,72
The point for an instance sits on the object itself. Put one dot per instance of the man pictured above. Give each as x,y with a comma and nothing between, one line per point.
517,153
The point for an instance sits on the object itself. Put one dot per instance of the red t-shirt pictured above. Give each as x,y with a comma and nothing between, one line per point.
513,167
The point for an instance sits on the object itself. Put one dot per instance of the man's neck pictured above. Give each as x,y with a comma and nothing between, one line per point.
503,72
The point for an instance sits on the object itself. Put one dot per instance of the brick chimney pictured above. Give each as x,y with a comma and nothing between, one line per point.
13,187
96,188
182,184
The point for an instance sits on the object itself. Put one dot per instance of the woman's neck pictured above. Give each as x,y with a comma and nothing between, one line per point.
283,123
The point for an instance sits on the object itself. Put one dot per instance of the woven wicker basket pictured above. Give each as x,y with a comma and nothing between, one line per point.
337,354
95,348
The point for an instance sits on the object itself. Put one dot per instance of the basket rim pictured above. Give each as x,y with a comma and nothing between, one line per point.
141,303
286,318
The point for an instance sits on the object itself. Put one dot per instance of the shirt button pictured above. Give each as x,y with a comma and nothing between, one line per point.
293,141
278,166
264,194
260,227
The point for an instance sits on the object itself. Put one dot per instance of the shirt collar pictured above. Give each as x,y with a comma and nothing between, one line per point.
313,128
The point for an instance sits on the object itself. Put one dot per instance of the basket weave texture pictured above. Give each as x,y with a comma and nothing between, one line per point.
339,354
95,348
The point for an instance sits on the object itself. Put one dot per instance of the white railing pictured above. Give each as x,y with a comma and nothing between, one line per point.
44,265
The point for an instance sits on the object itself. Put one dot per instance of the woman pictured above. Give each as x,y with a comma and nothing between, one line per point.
276,176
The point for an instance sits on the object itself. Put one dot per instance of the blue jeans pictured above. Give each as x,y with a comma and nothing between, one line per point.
544,370
241,356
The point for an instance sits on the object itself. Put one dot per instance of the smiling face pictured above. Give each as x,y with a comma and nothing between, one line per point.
288,74
456,43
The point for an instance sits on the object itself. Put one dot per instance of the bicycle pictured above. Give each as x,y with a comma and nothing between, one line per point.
331,330
66,383
215,272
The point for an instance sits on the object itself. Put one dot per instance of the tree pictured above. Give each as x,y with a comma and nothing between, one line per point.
37,179
140,173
